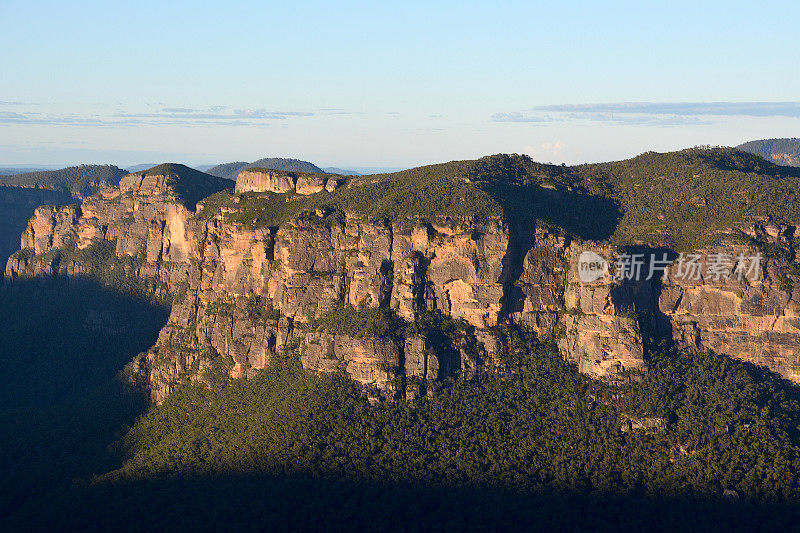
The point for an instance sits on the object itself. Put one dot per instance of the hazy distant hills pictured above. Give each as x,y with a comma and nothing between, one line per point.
778,151
340,171
139,168
230,170
79,181
9,171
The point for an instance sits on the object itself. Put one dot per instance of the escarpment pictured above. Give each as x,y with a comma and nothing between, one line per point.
139,225
268,180
397,288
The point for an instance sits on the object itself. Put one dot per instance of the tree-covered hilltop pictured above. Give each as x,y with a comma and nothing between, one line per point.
692,197
679,200
80,181
231,170
699,441
780,151
189,184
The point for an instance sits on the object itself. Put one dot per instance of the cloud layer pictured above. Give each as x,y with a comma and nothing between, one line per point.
219,115
662,114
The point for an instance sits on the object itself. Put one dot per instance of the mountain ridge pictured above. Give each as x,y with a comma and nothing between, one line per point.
81,180
781,151
333,332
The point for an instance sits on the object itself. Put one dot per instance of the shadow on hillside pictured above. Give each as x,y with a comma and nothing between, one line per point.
62,344
310,504
585,216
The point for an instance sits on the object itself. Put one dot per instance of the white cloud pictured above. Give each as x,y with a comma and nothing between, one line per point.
750,109
546,151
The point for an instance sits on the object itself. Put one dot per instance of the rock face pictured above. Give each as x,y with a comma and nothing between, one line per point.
17,205
267,180
144,216
244,293
601,319
308,266
756,320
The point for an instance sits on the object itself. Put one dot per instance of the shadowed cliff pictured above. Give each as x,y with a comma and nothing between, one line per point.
17,205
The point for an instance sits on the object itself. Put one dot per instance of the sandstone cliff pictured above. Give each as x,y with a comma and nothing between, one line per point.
268,180
246,286
144,218
17,205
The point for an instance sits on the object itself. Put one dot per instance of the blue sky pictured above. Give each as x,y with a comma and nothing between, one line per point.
394,85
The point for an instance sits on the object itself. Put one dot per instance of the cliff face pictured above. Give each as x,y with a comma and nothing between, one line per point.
144,217
243,293
17,205
250,291
267,180
753,320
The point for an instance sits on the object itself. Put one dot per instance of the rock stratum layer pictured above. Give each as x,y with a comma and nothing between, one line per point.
243,293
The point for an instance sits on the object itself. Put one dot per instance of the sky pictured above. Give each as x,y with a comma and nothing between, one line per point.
379,84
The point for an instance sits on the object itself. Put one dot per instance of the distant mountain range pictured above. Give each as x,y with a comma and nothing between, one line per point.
779,151
140,167
231,170
340,171
10,171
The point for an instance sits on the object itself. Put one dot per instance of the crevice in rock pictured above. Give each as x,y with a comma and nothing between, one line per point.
386,274
521,238
420,292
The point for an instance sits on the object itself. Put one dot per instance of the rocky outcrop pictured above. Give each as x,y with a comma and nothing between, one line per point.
308,266
267,180
459,268
50,227
369,361
632,423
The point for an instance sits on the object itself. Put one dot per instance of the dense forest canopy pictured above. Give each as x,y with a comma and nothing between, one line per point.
538,440
83,180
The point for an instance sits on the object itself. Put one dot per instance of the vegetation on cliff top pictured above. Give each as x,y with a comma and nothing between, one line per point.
386,197
680,200
83,180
